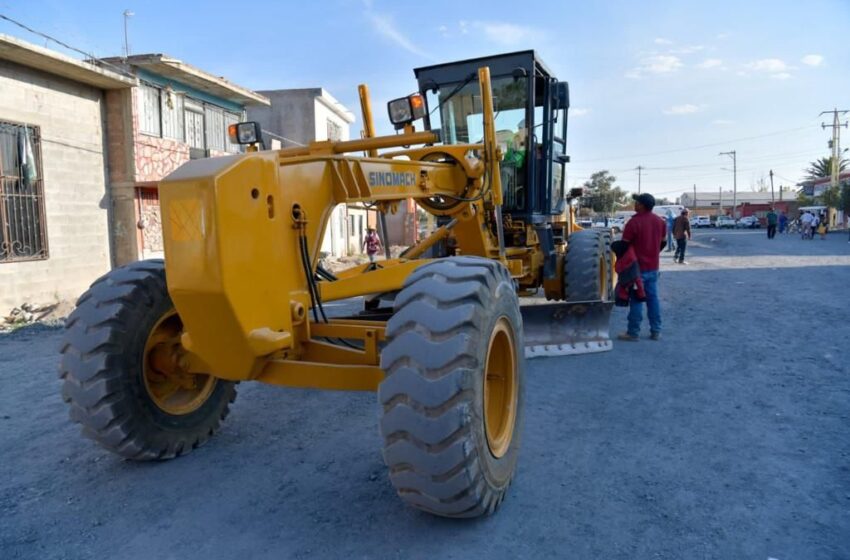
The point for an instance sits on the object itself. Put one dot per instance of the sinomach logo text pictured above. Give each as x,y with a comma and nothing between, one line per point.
391,179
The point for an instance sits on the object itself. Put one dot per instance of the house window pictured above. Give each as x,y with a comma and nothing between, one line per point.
23,234
194,117
171,107
150,119
229,119
334,131
215,127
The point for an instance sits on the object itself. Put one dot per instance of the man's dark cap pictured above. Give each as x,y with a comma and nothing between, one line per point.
684,210
646,199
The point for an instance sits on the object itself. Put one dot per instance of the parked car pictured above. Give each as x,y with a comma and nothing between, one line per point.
725,222
702,221
749,222
586,223
617,224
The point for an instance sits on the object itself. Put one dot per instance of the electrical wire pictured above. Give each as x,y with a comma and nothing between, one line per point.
90,56
710,145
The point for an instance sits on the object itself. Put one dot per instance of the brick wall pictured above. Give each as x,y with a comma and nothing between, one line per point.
70,116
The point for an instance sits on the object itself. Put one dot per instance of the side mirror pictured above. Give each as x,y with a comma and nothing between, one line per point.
562,95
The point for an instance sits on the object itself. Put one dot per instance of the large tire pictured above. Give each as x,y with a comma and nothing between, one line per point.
587,268
104,356
447,453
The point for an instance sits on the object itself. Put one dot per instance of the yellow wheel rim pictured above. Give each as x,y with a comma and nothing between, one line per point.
167,380
500,388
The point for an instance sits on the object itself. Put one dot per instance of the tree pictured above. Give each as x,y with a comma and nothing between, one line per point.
845,197
822,167
603,196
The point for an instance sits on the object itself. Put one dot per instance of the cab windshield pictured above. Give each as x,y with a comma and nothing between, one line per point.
460,112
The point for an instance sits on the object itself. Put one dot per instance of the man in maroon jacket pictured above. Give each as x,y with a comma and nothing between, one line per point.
645,232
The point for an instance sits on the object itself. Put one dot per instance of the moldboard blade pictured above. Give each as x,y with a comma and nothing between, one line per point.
563,329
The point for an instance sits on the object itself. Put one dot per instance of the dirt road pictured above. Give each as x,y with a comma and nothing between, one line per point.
730,438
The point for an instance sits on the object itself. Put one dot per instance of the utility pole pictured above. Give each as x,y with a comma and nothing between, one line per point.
639,170
720,206
835,143
734,155
772,197
127,15
695,197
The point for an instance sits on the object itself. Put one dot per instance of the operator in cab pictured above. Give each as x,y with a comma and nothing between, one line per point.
645,232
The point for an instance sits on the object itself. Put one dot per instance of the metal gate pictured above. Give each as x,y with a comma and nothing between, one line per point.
23,236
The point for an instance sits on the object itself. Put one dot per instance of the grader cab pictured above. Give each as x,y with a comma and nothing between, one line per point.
154,350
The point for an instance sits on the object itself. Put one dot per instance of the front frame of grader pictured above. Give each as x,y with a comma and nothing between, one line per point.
234,227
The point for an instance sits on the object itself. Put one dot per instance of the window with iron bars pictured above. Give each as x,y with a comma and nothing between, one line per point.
23,233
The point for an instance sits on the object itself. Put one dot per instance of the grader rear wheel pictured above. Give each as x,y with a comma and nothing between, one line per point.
588,270
124,369
452,399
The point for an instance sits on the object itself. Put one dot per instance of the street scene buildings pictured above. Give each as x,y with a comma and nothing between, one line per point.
84,144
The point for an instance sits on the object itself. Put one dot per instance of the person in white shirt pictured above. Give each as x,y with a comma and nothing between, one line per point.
806,224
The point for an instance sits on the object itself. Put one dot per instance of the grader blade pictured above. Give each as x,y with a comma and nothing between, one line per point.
563,329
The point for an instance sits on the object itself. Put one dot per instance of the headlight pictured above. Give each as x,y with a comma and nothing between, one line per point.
245,132
400,111
405,110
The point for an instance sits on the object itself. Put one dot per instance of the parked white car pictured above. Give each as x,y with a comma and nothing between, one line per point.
725,222
749,222
617,224
702,221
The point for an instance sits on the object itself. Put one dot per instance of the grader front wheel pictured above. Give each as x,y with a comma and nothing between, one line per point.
452,398
124,369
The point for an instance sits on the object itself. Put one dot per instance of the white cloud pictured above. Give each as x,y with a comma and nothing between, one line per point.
658,64
722,122
386,26
662,41
710,63
690,49
771,65
464,27
443,31
685,109
812,60
776,67
579,112
721,36
508,34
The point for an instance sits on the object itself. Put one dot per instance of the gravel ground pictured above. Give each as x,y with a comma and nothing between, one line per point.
727,439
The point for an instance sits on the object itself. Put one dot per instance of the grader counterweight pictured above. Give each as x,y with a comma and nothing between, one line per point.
153,351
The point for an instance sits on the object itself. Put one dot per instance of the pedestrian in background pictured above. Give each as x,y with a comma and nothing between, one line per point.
783,222
813,226
806,224
681,232
645,233
772,219
670,220
372,244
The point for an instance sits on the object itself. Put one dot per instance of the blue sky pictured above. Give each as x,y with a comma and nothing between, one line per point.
666,85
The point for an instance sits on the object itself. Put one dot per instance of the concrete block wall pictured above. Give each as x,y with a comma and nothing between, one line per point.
70,116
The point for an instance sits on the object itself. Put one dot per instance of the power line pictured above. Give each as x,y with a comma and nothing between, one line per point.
92,59
713,144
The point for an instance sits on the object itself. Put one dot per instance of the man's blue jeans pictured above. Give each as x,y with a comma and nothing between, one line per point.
653,307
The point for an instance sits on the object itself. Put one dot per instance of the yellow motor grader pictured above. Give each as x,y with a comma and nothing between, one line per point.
154,350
